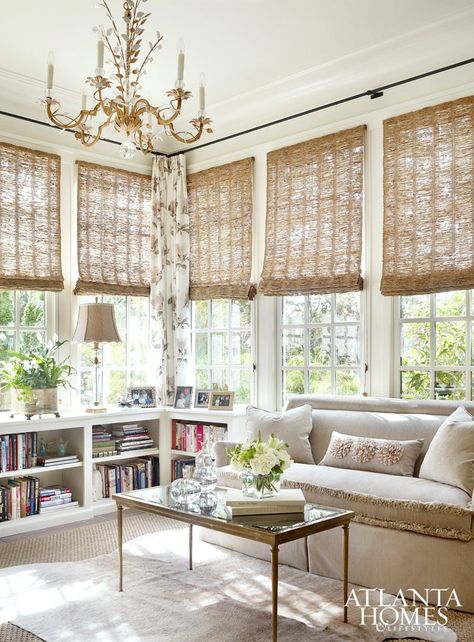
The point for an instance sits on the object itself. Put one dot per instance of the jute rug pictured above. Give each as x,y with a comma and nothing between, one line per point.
211,609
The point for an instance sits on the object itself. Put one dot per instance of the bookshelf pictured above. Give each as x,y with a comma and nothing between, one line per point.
77,428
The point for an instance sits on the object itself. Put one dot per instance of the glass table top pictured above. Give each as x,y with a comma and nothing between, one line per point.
213,505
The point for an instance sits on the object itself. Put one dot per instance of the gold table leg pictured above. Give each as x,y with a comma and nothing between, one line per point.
274,592
190,547
120,539
346,568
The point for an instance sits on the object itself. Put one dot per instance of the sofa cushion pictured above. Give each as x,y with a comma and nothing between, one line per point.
450,457
402,503
392,457
293,427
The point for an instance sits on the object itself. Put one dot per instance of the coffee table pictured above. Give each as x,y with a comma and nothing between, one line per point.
210,513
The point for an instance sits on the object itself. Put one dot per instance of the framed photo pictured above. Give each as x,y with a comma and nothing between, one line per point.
184,397
201,398
221,400
143,396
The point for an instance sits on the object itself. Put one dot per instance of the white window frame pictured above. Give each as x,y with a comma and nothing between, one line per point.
307,368
103,392
252,367
432,368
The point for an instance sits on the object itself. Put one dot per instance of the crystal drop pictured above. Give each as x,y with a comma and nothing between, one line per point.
127,150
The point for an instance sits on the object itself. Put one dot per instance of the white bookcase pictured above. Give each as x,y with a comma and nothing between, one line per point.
76,429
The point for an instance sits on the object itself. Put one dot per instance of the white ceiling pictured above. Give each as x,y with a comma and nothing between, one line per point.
263,59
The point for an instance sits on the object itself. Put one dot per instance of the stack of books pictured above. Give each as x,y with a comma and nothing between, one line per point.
19,498
131,437
103,444
57,461
56,498
289,502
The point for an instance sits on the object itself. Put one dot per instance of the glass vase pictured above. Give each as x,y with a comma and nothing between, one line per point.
260,486
185,491
205,471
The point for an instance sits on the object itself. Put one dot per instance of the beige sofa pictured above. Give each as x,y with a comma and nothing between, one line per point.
408,532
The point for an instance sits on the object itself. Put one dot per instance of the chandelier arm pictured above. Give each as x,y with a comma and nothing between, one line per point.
192,137
147,108
71,122
84,137
139,140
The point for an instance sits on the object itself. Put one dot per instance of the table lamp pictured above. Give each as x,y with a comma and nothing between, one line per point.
96,324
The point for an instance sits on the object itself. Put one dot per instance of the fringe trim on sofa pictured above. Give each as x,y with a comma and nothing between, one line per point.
447,533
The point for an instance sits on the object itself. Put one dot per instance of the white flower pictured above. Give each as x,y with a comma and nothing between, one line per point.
263,464
285,460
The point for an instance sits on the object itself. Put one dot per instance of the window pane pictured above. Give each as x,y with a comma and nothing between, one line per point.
293,347
219,376
293,382
320,346
7,308
451,304
32,309
31,341
241,348
450,385
240,314
201,348
138,314
240,383
293,310
115,354
415,385
115,385
202,379
201,314
320,381
415,306
120,308
347,345
320,308
415,344
348,306
7,340
347,382
220,313
138,350
451,343
220,348
138,378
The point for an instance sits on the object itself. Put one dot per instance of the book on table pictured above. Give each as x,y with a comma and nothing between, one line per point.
287,501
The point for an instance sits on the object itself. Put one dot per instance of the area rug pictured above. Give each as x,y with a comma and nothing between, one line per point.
226,598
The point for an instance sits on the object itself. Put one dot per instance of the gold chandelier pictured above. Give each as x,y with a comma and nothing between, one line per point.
124,108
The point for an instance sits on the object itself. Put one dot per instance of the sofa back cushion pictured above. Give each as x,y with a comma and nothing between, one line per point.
388,456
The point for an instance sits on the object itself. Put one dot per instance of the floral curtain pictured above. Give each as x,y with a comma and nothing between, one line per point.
169,297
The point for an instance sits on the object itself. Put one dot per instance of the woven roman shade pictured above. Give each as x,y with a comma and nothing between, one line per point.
30,237
314,216
113,231
428,238
220,213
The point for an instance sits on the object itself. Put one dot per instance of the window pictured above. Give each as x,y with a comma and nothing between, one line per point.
222,346
436,356
24,320
321,344
122,364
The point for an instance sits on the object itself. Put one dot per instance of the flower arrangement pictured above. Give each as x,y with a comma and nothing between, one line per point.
264,461
28,371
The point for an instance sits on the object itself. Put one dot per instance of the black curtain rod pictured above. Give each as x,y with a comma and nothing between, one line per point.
372,93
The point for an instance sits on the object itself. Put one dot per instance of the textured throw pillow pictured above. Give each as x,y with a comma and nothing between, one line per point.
450,456
292,426
388,456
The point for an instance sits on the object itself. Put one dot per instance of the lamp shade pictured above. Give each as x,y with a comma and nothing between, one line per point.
96,324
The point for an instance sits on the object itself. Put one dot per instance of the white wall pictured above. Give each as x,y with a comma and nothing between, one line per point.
378,318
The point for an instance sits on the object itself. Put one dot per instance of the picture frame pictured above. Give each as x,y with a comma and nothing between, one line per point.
184,397
201,398
221,400
142,396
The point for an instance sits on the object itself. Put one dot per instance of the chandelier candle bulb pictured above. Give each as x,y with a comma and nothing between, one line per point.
84,102
180,59
100,54
202,93
50,71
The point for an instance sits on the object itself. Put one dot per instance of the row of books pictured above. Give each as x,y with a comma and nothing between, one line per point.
191,437
18,452
19,498
178,466
142,472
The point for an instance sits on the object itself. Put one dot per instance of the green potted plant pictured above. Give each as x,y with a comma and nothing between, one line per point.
34,378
